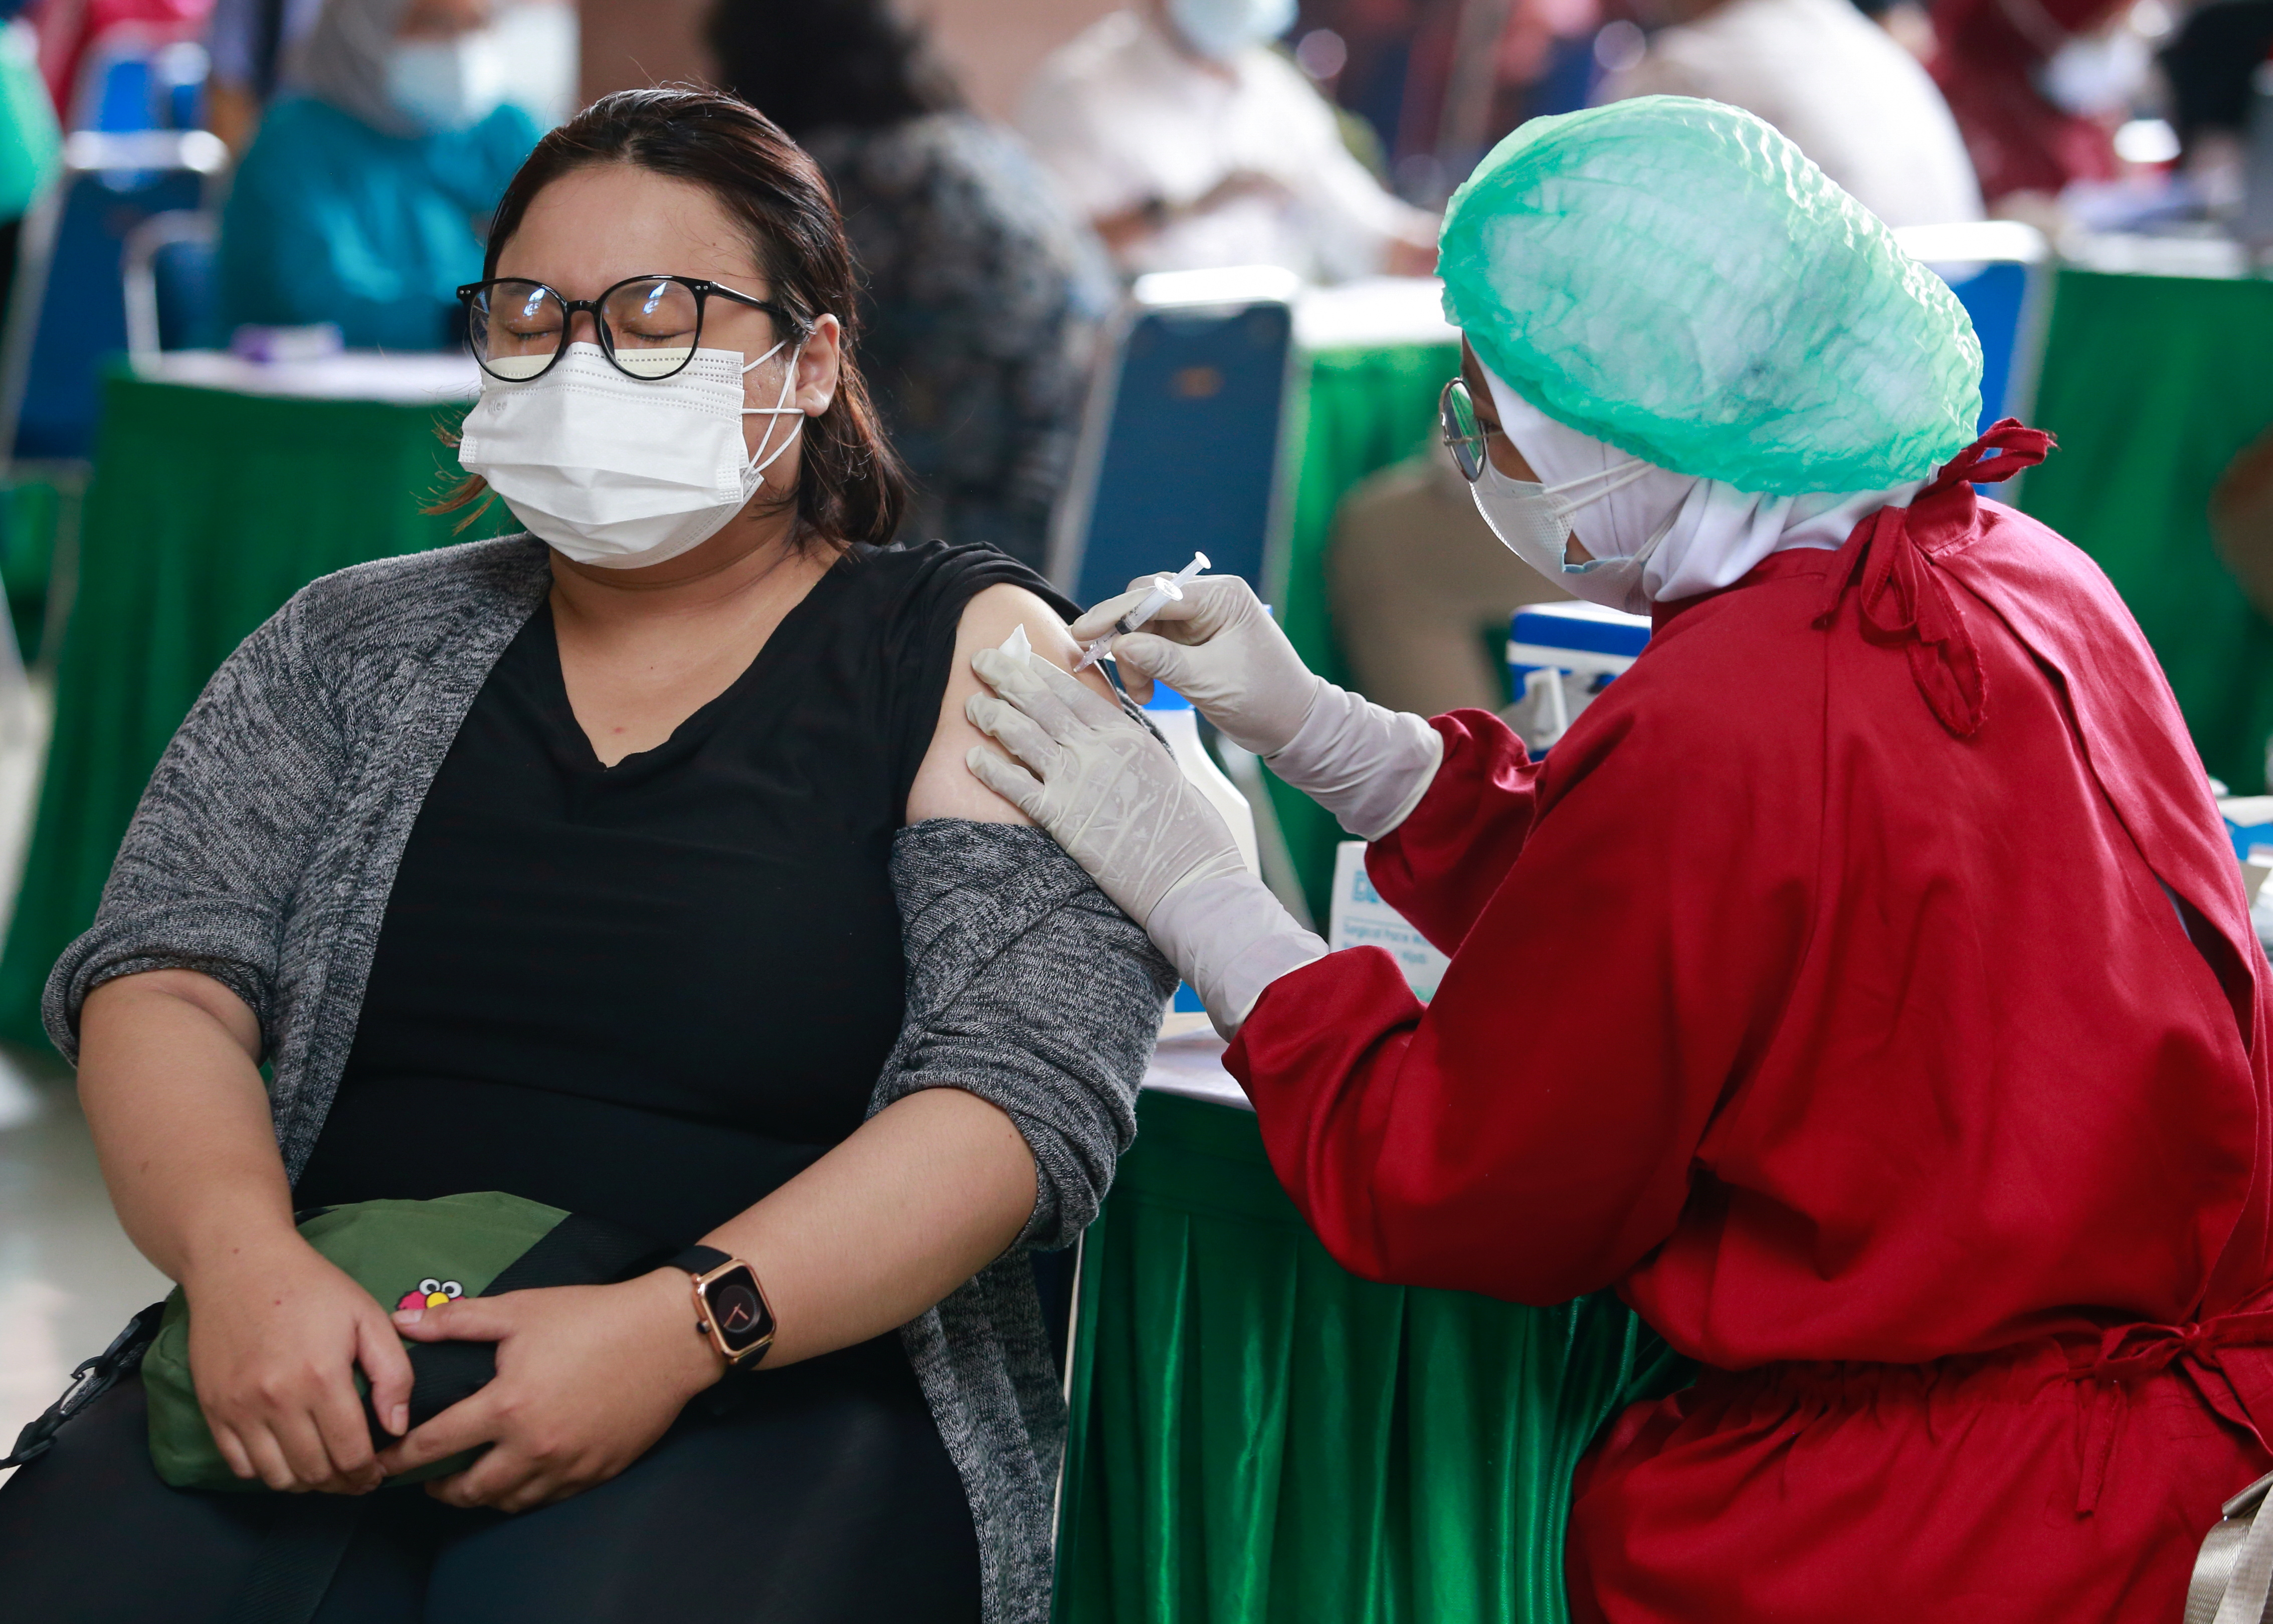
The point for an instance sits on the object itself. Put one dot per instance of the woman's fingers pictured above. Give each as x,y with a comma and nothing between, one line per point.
466,1424
267,1458
388,1368
1007,779
345,1436
232,1449
464,1320
505,1478
301,1445
1014,730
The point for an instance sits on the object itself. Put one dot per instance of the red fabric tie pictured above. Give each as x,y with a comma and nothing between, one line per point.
1903,599
2129,1354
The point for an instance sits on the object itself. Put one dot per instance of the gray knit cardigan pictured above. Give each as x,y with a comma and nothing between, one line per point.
266,846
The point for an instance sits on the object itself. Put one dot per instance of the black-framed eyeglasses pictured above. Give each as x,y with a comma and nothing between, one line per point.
1464,436
649,326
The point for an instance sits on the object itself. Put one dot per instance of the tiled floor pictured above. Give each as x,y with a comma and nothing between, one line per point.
69,1278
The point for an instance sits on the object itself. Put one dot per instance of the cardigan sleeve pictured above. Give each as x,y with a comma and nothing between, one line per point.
1027,988
211,860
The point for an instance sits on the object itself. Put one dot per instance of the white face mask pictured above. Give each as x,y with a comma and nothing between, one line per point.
443,84
1533,521
619,472
1223,28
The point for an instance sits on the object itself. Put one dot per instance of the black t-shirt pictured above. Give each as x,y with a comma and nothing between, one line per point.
656,991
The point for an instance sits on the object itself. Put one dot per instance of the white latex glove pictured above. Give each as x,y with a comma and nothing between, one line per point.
1218,647
1104,787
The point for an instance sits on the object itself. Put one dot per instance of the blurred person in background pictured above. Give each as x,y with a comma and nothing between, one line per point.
2210,62
249,42
1839,86
2034,85
30,147
983,293
1188,142
364,199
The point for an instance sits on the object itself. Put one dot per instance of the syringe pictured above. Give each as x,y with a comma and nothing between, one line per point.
1166,589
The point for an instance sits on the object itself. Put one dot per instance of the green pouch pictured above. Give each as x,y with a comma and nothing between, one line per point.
470,1246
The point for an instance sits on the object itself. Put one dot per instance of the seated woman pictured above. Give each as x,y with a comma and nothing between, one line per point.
365,197
570,871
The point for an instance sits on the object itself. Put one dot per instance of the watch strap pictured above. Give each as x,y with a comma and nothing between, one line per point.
698,1259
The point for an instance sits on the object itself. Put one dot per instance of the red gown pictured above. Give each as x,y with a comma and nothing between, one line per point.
1863,985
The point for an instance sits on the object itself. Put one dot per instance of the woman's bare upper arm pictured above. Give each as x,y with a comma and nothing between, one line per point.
120,996
944,786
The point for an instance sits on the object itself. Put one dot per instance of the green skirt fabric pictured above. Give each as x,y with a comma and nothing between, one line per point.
1260,1435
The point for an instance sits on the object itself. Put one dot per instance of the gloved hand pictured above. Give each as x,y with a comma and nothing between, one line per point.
1216,647
1106,790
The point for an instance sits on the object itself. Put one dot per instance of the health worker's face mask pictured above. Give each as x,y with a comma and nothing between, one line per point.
444,84
619,473
1533,521
1221,29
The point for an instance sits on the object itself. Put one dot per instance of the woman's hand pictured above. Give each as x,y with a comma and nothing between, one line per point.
587,1378
275,1334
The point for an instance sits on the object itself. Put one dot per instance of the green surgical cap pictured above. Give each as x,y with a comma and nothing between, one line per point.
1675,277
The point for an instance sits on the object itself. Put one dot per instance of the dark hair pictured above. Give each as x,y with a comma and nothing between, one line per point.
849,486
813,63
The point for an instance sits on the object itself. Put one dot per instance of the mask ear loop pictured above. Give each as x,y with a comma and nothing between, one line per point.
779,408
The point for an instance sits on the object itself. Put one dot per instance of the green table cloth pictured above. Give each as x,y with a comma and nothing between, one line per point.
1259,1435
2151,383
205,511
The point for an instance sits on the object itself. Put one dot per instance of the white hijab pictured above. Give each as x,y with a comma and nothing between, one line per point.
1713,533
343,61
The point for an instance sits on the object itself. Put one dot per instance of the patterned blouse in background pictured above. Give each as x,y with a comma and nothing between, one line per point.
981,318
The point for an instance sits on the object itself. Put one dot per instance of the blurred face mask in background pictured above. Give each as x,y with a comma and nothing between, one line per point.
622,473
2095,74
1223,28
444,84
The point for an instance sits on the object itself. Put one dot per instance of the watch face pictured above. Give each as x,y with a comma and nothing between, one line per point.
736,1309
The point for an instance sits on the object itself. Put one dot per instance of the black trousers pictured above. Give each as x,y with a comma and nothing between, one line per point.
808,1495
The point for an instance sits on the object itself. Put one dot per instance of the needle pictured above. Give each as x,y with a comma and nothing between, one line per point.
1166,589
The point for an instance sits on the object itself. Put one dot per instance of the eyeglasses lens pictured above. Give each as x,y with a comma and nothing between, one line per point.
514,328
654,325
1463,437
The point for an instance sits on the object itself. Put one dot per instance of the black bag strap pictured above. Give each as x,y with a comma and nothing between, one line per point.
580,1251
301,1553
90,1381
298,1557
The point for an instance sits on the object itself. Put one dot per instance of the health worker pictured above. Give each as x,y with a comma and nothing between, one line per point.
366,196
1862,986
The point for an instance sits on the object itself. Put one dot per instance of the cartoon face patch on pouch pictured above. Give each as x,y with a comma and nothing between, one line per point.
431,1293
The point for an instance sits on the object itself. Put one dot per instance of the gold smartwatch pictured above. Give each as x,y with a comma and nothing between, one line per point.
730,1306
